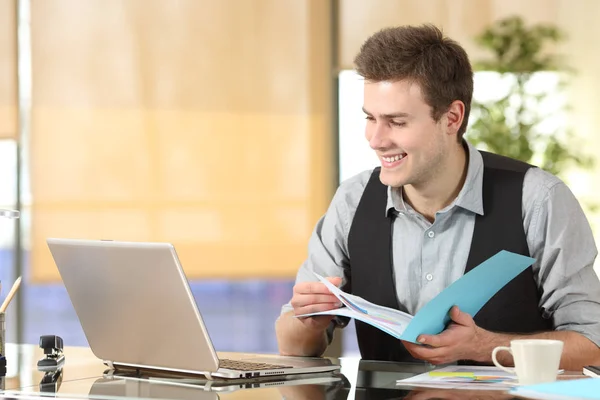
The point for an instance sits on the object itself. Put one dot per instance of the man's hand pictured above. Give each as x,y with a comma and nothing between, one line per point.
461,340
307,336
310,297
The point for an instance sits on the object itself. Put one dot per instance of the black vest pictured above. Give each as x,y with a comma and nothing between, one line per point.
513,309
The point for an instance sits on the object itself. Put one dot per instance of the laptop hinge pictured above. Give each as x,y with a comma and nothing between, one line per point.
111,365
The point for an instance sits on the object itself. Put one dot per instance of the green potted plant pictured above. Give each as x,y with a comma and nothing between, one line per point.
516,122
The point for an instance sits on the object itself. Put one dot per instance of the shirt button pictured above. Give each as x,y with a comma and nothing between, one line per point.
430,234
429,277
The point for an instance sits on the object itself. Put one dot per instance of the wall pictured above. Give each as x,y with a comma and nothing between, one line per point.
204,124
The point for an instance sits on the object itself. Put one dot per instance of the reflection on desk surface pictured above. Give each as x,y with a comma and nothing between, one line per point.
142,388
84,376
323,386
51,381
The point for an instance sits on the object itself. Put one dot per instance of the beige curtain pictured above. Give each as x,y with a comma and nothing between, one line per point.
8,69
201,123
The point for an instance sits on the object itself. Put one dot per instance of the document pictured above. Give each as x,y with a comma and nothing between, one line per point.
469,293
463,377
584,388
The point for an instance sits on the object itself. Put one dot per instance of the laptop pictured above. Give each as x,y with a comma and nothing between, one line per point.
137,311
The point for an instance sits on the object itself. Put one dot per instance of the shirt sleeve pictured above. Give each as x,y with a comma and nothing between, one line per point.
328,244
561,240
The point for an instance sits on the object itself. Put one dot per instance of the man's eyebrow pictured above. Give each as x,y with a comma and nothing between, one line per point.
390,116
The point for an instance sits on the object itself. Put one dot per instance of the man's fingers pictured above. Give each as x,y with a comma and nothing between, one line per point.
461,318
434,340
312,297
314,308
446,338
424,352
303,300
335,280
430,354
317,321
311,288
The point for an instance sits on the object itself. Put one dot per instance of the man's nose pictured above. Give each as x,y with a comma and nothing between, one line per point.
379,137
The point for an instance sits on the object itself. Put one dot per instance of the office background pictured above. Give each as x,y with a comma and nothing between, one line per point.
214,125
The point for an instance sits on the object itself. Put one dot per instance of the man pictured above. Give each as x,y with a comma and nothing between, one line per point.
437,207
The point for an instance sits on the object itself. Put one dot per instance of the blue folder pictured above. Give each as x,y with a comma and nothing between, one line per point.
469,293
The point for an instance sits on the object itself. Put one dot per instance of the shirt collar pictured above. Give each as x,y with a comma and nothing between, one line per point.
470,196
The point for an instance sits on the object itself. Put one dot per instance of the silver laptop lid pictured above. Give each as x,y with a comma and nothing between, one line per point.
134,304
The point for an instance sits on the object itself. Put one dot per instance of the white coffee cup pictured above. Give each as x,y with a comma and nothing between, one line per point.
536,360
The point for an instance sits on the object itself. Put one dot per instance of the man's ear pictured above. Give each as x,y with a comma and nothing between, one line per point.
454,117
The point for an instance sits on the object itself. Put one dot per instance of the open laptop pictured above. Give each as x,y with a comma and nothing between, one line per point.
137,311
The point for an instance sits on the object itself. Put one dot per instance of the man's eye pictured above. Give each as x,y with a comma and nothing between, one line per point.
369,118
394,123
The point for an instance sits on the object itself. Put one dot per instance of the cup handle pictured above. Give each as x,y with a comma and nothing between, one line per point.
495,360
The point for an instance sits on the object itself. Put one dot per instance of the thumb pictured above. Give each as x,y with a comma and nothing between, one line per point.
459,317
335,280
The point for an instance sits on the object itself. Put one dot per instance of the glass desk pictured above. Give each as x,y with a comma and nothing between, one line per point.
83,376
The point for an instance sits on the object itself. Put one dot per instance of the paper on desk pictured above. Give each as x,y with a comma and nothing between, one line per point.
584,388
469,293
463,377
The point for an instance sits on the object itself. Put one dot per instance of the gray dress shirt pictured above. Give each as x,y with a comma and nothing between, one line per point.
427,257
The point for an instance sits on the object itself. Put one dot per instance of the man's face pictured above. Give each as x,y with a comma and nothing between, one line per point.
411,146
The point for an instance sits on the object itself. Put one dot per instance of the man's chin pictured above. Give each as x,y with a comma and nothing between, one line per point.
390,179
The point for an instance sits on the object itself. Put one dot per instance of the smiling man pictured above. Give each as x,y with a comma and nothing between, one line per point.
436,208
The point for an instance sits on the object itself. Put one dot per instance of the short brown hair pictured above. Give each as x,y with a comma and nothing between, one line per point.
423,55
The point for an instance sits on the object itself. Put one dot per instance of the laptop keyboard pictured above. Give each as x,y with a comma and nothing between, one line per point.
248,365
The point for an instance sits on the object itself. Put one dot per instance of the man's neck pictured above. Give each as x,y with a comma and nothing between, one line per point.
441,190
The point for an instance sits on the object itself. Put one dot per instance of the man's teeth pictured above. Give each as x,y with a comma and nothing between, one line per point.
392,159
